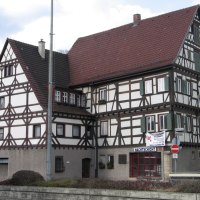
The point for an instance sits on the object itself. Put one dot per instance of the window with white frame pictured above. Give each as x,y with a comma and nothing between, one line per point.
104,128
76,131
188,87
189,123
150,123
148,87
161,84
1,133
58,96
179,85
2,102
60,130
8,71
103,94
179,121
72,99
36,131
65,97
162,122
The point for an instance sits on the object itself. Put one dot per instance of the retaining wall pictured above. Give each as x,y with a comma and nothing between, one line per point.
39,193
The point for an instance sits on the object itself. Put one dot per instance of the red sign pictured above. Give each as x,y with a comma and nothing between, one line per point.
174,148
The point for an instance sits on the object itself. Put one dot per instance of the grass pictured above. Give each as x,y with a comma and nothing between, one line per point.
186,186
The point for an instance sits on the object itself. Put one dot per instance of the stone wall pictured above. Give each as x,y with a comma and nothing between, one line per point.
37,193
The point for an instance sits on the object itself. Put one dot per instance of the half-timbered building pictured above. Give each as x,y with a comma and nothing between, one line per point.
122,97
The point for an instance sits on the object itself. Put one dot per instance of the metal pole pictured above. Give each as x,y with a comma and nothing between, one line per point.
50,94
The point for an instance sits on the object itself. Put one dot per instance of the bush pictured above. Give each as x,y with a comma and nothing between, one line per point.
25,177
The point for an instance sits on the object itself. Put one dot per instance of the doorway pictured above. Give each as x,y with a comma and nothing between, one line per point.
86,167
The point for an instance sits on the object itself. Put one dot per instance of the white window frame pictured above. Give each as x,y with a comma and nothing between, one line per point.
148,86
179,85
188,86
65,97
83,100
162,122
150,123
179,121
189,123
76,131
58,96
103,94
60,130
161,84
104,128
36,130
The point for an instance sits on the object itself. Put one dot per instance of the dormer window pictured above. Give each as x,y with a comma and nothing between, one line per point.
78,100
65,97
8,71
58,96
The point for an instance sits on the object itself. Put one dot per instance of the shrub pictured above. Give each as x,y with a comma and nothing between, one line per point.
25,177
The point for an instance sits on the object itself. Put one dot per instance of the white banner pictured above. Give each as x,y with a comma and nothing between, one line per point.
155,139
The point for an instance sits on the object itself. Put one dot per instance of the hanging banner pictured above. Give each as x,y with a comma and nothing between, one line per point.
155,139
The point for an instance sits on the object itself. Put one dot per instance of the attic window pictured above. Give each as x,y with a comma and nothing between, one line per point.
8,71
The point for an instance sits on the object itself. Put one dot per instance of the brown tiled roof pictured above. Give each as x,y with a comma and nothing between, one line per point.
129,49
36,68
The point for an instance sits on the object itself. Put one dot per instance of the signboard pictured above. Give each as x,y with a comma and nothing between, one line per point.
174,148
155,139
144,149
175,156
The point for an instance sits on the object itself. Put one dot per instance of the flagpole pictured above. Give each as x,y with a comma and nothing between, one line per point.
50,94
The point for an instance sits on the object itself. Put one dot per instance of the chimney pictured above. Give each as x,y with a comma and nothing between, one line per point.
41,48
136,19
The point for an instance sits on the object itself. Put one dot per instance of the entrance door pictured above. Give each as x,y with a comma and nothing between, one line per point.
86,167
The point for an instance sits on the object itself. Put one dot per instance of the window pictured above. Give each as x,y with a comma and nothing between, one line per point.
146,164
59,164
148,87
103,94
2,102
179,85
104,128
102,161
36,131
161,84
8,71
89,132
72,99
1,133
76,131
58,96
179,121
162,122
193,155
78,100
65,97
110,163
60,130
188,123
188,87
83,100
150,123
122,159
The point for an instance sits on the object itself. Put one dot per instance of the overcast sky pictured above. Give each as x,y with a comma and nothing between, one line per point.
29,20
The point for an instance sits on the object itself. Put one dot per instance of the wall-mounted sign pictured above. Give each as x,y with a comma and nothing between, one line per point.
155,139
144,149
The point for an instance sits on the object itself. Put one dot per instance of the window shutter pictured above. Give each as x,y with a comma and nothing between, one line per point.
184,87
175,121
169,118
197,61
185,123
143,124
166,83
141,88
176,84
196,35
